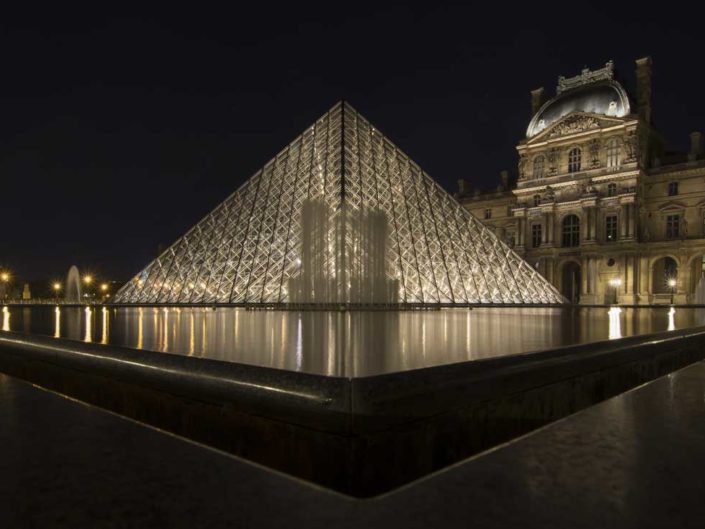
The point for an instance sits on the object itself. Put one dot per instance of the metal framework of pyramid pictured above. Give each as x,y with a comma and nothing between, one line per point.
340,216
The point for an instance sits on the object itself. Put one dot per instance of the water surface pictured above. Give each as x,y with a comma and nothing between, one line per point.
355,343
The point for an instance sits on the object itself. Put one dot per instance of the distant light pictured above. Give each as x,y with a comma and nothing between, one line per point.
5,277
87,279
615,282
56,286
104,287
671,283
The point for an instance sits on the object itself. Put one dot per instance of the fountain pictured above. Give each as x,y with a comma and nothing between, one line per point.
72,292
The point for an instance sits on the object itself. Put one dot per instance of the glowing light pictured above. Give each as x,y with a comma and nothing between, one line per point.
616,282
104,287
672,283
5,277
56,287
5,319
88,279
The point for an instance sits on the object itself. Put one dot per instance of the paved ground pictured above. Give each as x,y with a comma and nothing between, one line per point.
637,460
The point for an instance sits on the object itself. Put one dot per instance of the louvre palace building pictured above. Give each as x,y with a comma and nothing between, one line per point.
600,208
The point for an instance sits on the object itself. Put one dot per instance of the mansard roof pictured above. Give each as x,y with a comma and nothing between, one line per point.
593,92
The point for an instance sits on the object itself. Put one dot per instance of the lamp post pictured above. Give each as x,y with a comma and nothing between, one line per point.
672,284
5,279
615,283
57,288
88,280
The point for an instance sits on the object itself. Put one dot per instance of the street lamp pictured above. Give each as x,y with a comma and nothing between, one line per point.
88,279
57,289
5,278
672,284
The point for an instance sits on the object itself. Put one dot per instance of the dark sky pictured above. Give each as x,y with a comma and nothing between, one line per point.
120,131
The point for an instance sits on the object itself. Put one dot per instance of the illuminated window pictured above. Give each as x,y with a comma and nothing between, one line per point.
672,189
571,231
574,160
536,235
613,153
537,200
672,226
611,228
538,167
488,213
611,190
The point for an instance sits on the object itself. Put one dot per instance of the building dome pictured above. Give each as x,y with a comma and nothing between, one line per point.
605,97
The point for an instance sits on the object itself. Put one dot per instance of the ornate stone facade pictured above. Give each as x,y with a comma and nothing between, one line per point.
599,207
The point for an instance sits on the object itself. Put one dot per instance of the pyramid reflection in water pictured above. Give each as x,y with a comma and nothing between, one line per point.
340,216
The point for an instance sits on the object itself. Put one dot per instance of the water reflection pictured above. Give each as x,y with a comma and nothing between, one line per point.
615,323
345,343
672,319
57,322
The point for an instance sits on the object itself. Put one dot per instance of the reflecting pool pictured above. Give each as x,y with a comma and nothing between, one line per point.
352,344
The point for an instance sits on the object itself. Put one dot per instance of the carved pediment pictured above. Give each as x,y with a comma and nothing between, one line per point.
575,123
671,207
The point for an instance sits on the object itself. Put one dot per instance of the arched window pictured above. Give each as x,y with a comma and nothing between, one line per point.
574,160
571,231
613,153
538,166
611,189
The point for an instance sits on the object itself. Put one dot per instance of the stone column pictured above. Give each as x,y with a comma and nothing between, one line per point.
544,234
520,232
584,271
623,222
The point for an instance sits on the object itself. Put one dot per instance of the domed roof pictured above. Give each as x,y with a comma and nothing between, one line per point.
605,97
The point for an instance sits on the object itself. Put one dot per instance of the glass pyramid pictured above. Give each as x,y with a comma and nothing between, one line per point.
339,217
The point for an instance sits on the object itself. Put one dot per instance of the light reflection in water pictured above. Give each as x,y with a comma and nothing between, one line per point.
615,323
354,343
106,326
89,325
57,322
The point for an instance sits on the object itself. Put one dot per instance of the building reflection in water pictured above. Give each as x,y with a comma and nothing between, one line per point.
353,343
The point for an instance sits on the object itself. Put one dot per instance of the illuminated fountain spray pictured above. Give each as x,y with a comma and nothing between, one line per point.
343,257
72,293
700,292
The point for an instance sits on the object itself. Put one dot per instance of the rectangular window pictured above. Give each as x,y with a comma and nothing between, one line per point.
672,226
536,235
488,213
672,189
611,228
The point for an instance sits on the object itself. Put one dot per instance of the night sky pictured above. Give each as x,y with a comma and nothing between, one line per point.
120,131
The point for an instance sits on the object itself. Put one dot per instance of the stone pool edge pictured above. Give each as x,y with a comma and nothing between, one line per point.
361,436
